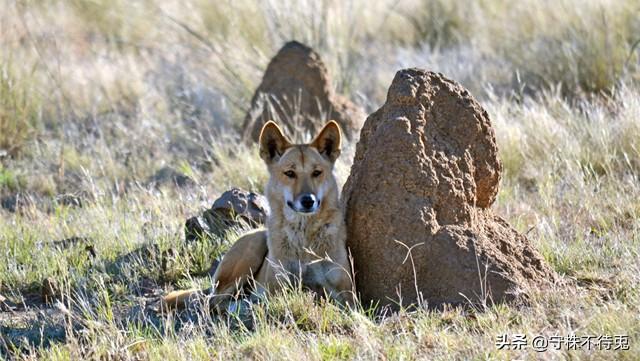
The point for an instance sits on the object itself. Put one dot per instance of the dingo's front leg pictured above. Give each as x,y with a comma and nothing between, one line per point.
239,264
332,278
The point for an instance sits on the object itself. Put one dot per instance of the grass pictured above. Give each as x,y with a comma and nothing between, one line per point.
97,96
19,109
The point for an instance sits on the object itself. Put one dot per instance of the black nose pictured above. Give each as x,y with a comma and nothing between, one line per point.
308,201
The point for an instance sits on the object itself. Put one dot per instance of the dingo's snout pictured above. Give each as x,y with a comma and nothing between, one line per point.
305,203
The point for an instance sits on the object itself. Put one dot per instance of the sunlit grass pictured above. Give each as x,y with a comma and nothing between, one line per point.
97,96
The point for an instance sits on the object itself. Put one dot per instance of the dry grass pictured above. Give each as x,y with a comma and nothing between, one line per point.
96,96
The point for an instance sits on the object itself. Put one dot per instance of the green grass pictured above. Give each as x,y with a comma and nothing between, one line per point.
96,96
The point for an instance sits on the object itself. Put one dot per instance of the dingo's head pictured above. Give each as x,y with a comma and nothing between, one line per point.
301,174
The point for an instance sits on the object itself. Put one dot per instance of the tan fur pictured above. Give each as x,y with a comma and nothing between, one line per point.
310,247
244,258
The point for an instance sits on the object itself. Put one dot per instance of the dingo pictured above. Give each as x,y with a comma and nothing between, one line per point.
305,238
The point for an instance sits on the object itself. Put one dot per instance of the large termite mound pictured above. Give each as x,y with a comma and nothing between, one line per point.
425,173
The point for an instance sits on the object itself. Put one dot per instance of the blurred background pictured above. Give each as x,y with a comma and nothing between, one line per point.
117,89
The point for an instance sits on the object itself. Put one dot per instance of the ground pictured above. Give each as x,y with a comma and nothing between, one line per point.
98,97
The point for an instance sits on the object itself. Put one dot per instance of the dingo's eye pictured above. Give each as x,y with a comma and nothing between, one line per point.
290,174
316,173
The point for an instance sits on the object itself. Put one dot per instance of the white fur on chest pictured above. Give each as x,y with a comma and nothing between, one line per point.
304,233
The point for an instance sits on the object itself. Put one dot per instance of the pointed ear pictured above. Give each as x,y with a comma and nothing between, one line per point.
272,142
329,140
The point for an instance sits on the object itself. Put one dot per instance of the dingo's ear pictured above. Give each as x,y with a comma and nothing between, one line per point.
329,140
272,142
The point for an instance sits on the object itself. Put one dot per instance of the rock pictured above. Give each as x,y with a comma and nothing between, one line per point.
170,176
425,173
296,92
234,207
237,202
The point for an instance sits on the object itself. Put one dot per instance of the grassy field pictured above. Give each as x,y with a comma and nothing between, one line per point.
96,96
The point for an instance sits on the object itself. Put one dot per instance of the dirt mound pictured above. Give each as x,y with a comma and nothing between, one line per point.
425,172
296,92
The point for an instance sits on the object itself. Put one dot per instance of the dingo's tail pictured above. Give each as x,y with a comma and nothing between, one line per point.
179,299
